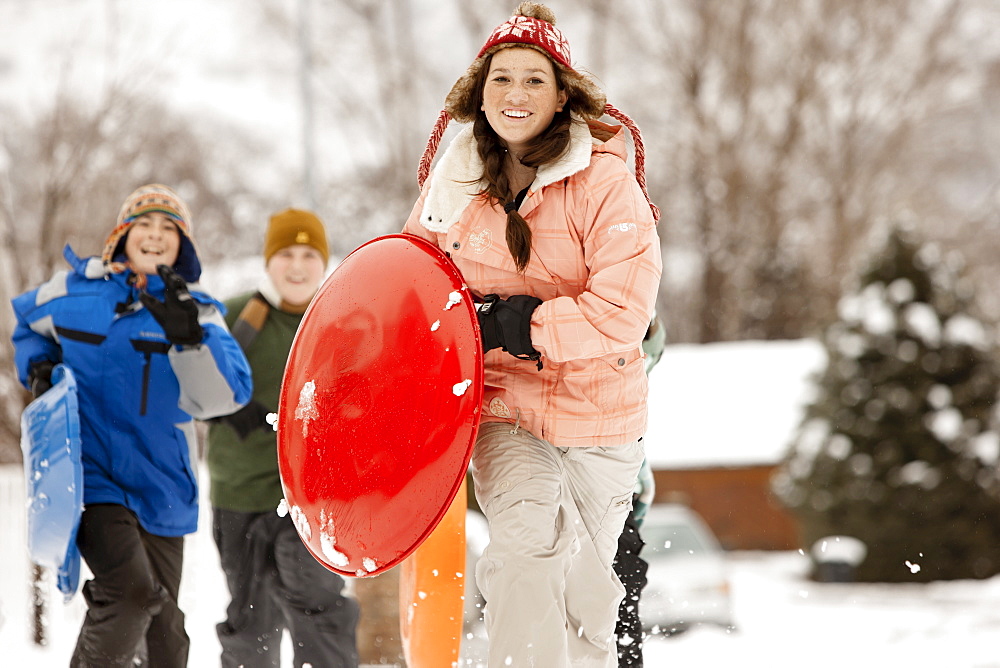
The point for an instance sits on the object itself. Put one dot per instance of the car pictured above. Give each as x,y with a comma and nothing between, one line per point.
688,580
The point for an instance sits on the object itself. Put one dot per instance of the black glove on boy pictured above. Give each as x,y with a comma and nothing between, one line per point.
178,312
40,377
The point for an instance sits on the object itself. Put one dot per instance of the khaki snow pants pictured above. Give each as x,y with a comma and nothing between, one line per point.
554,515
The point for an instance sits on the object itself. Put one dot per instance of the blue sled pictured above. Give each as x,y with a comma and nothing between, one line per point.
50,441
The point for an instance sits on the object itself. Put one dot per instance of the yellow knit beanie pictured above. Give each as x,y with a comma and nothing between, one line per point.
295,226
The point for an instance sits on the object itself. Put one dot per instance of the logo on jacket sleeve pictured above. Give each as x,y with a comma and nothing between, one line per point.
622,227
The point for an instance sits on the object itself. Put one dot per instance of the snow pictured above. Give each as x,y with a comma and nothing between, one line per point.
306,409
901,291
986,446
963,329
727,404
782,618
870,309
845,549
945,424
922,320
454,298
301,521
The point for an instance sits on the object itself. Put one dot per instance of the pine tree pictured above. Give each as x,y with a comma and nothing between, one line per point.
900,446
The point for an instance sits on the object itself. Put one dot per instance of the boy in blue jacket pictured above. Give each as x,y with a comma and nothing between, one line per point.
150,352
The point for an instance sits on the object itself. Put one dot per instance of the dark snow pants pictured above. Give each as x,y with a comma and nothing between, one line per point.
132,600
631,570
276,584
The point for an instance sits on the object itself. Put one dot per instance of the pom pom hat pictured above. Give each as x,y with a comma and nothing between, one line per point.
540,32
151,198
294,226
532,26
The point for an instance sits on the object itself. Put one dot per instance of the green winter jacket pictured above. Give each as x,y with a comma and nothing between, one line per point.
244,474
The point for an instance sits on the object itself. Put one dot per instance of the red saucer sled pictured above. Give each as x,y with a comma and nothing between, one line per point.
379,405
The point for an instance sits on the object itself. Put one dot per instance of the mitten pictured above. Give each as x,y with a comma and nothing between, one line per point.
178,312
40,377
247,419
645,490
654,342
506,324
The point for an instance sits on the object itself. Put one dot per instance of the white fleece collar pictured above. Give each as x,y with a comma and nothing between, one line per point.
269,290
455,181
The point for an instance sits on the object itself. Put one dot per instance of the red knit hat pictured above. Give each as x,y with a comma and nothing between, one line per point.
538,32
533,26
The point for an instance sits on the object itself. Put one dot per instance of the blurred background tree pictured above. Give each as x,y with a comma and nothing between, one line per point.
786,131
900,448
777,136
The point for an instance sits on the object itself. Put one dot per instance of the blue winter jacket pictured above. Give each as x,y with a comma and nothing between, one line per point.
137,392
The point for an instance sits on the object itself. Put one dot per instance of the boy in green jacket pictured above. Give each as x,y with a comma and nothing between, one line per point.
274,582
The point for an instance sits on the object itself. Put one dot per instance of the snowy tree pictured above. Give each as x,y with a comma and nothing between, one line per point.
900,447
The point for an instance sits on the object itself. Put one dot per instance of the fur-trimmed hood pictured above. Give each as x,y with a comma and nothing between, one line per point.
455,182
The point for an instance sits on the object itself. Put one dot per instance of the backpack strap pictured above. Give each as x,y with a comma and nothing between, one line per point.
250,321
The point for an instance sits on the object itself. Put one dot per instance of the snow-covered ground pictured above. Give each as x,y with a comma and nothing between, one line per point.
728,404
786,621
783,619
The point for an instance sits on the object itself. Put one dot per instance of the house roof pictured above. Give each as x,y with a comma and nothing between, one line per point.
728,404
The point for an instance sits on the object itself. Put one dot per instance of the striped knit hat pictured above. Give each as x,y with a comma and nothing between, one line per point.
533,26
147,199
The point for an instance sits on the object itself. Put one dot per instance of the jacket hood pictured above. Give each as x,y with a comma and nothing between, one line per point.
94,267
88,267
146,199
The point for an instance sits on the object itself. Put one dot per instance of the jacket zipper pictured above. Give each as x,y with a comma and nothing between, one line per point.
145,383
148,348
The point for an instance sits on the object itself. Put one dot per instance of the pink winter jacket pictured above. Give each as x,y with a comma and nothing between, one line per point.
595,264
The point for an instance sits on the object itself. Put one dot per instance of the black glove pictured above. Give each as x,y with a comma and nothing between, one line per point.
247,419
178,312
506,324
40,377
